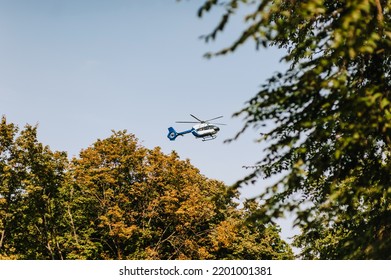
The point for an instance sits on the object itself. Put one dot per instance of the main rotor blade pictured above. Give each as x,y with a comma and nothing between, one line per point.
218,123
186,122
201,121
214,119
196,118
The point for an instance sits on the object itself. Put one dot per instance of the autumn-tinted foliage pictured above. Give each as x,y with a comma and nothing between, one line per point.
119,200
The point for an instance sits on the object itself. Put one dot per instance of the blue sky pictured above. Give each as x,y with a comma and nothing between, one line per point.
81,68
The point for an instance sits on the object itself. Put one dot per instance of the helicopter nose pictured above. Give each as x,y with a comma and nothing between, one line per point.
217,128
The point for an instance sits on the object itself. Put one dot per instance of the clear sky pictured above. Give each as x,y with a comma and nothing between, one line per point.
81,68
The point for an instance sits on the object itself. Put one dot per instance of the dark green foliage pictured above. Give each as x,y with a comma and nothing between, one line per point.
326,120
30,178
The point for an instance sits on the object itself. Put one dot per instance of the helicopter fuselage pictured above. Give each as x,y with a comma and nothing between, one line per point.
203,129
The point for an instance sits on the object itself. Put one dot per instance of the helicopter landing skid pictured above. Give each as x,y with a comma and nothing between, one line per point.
209,138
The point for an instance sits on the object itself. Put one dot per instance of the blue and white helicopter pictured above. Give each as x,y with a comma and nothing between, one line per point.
202,129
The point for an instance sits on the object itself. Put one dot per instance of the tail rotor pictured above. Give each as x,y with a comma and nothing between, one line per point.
172,134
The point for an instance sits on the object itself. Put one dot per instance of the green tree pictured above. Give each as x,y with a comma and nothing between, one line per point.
326,120
9,194
129,202
30,178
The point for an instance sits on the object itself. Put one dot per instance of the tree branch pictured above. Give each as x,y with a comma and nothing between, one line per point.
379,12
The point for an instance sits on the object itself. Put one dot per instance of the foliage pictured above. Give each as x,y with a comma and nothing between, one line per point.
119,200
326,120
29,189
146,205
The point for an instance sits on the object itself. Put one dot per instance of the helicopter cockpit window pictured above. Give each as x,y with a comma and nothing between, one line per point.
205,128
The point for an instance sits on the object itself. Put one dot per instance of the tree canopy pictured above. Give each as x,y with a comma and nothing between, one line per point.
31,176
120,200
326,120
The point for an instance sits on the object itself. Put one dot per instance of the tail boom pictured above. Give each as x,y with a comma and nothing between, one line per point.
173,134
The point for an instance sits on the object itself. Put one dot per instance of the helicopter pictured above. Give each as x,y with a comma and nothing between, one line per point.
202,129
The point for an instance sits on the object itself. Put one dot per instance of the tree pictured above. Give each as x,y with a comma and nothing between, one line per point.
129,202
240,236
331,119
30,177
118,200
